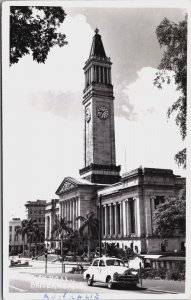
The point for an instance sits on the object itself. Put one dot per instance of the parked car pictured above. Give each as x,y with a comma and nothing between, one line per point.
112,271
51,251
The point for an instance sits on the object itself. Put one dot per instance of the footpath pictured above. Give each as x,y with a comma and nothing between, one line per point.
168,286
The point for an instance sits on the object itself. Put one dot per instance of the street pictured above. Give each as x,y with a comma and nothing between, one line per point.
33,279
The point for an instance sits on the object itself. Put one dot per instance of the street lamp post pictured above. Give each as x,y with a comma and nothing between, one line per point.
100,228
46,256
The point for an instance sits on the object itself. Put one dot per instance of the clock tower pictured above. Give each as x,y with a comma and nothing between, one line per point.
99,131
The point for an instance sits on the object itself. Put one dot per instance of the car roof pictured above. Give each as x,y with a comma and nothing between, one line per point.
107,257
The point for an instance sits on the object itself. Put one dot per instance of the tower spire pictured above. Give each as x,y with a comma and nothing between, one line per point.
97,48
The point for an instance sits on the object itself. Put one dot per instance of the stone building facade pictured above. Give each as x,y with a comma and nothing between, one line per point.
127,202
127,209
35,211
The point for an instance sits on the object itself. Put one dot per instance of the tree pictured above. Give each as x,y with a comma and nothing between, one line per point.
61,228
91,224
173,37
73,238
170,216
36,236
33,29
26,228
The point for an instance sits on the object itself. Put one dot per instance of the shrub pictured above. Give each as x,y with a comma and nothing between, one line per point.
162,273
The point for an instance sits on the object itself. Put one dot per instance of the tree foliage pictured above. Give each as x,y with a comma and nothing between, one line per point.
170,216
61,227
26,230
173,38
90,224
33,29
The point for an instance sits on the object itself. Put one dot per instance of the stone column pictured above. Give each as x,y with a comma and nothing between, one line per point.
78,210
92,73
121,218
110,220
138,217
116,220
103,219
62,210
124,219
148,216
45,236
107,75
152,201
127,218
71,205
85,79
106,220
68,210
103,75
74,213
99,74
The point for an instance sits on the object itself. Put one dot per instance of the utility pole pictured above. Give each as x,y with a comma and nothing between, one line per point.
45,255
100,228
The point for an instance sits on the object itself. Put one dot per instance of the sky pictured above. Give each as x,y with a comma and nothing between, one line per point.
43,113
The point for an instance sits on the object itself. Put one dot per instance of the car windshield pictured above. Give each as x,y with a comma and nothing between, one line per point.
113,262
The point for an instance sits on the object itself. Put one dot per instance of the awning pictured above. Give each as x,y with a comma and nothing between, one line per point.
151,256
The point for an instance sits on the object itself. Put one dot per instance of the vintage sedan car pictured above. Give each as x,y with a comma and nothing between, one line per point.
112,271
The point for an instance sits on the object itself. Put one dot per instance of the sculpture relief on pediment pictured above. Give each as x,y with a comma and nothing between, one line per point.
66,186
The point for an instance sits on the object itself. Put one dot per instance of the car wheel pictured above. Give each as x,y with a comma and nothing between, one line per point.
89,281
109,283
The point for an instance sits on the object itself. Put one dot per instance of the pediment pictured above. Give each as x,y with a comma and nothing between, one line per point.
67,184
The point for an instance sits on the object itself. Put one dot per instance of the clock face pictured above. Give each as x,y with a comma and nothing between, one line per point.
102,112
88,114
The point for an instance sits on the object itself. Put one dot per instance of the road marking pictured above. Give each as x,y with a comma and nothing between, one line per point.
13,287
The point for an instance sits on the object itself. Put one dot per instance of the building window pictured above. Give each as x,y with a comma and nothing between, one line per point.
10,228
30,211
39,219
39,212
10,238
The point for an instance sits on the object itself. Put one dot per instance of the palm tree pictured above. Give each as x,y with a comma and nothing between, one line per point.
73,238
60,229
27,226
91,224
36,236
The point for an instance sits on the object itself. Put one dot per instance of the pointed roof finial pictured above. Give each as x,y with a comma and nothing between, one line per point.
96,30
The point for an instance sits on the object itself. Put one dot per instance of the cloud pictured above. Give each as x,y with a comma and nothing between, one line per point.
144,131
142,97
